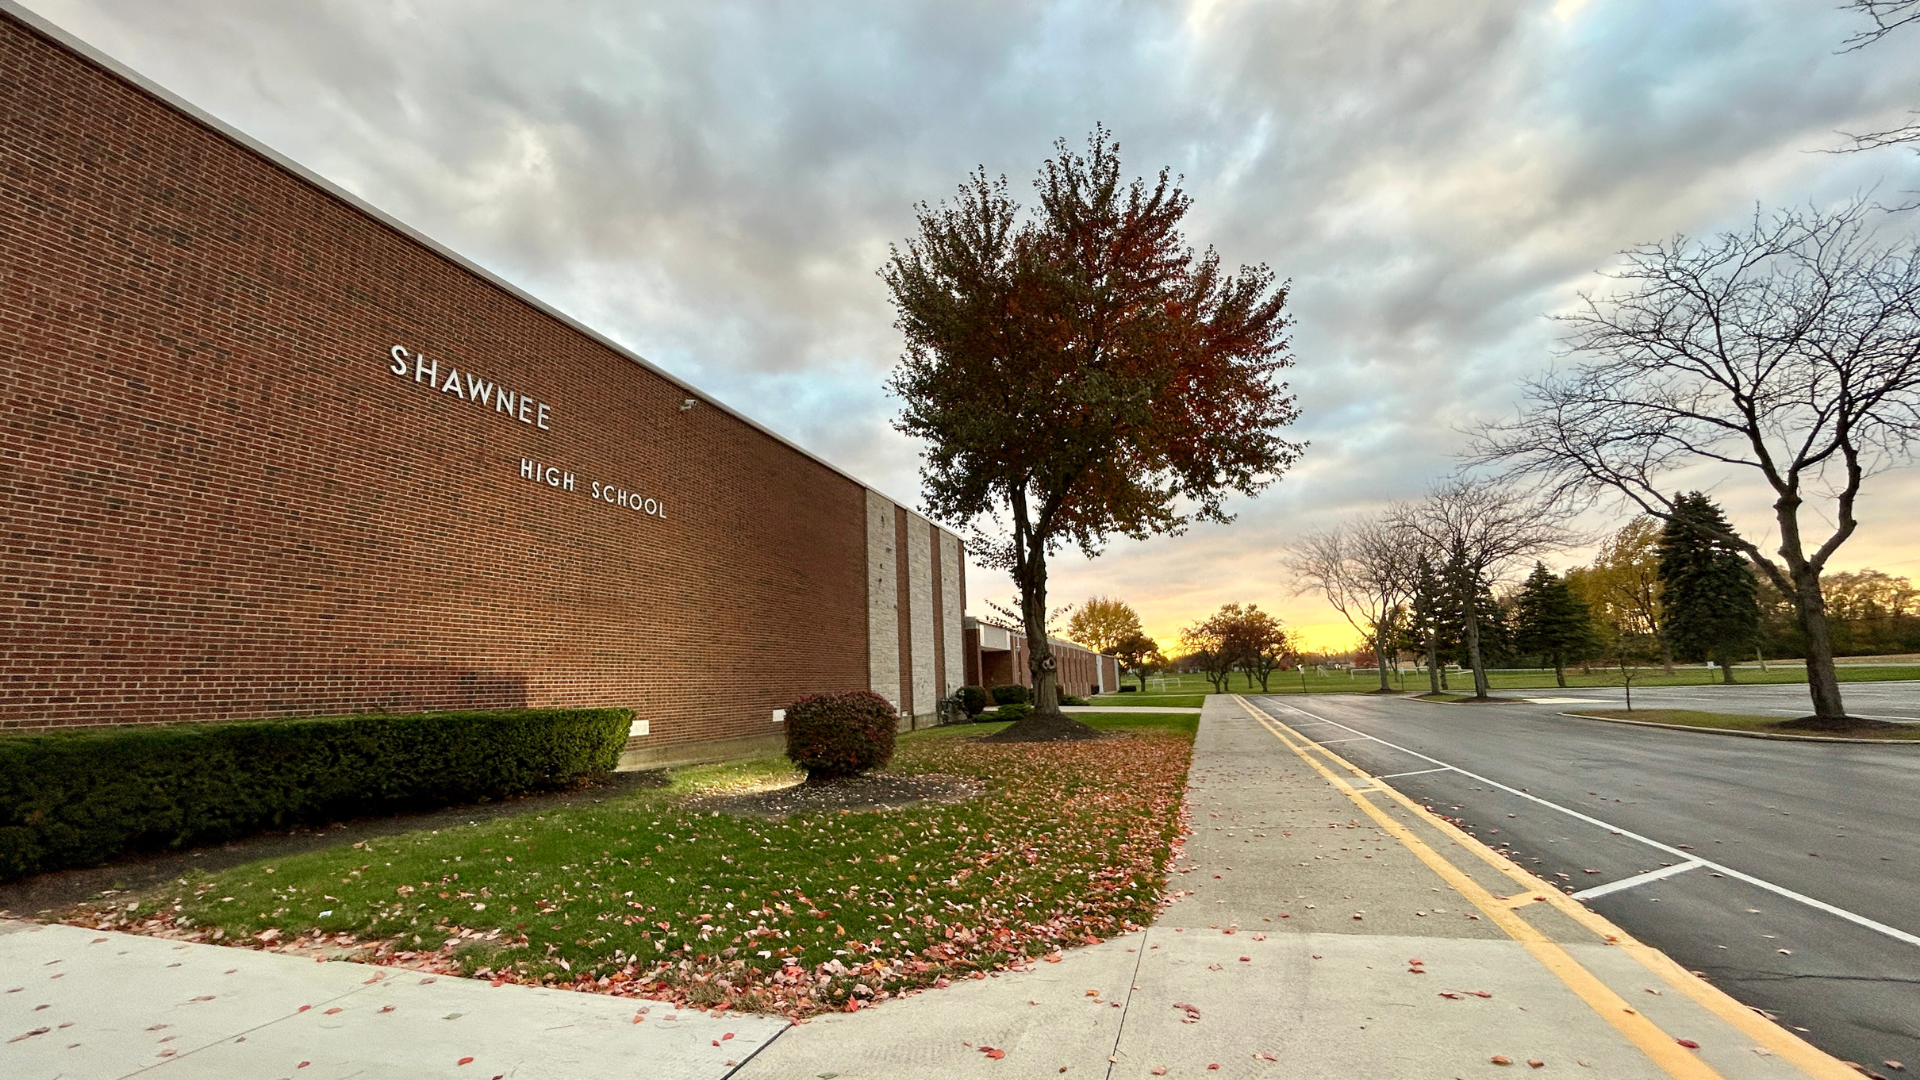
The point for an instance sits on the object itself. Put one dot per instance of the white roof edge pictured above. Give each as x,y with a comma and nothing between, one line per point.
39,24
1051,640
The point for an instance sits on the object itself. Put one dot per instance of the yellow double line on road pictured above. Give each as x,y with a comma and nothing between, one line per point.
1657,1044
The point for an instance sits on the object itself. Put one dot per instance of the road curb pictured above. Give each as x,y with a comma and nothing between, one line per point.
1475,704
1746,734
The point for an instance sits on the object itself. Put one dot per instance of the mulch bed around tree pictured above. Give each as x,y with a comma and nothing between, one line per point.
876,791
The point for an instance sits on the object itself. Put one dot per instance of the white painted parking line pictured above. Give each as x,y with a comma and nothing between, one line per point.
1330,742
1780,890
1636,880
1416,772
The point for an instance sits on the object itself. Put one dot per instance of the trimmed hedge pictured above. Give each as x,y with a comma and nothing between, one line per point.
974,698
1010,694
1012,710
79,798
843,734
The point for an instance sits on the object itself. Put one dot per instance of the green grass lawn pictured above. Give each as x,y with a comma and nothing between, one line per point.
642,896
1737,722
1163,701
1186,687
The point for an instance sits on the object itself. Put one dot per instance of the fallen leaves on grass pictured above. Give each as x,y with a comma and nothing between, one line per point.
1069,846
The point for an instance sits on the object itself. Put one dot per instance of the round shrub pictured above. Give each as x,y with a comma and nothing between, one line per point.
844,734
1012,710
1010,694
974,699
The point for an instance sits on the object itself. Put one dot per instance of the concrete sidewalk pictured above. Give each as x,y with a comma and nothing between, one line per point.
80,1004
1325,930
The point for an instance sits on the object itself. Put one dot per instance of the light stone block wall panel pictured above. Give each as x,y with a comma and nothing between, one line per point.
919,556
883,600
952,609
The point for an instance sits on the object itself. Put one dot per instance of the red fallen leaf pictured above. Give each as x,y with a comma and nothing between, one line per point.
1246,959
1215,1067
716,1042
331,1011
638,1019
1158,1070
1416,961
1501,1059
303,1008
1450,996
1051,958
204,997
464,1061
1688,1043
993,1052
727,1036
303,1065
30,1034
499,982
1480,993
1536,1063
1265,1056
386,1008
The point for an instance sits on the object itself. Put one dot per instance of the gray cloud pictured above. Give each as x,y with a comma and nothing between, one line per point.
714,184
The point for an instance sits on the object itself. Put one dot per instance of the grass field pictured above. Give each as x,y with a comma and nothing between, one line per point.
822,911
1183,687
1140,701
1736,722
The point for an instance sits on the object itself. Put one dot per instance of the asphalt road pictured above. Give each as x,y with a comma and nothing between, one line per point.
1805,900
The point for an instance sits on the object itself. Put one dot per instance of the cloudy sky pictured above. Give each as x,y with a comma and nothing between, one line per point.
713,184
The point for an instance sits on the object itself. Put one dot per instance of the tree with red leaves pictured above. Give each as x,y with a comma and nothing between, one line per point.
1080,373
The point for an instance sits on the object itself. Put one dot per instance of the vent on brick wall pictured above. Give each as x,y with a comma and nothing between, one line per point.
779,716
640,727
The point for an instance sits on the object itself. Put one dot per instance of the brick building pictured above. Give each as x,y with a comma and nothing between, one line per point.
997,655
266,452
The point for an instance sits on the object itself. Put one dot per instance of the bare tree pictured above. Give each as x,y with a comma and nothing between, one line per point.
1790,349
1482,527
1365,569
1887,16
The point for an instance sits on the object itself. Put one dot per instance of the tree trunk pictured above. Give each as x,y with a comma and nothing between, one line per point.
1726,670
1560,670
1046,723
1380,655
1473,651
1823,682
1666,654
1434,674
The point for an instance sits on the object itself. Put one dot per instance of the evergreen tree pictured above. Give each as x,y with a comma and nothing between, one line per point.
1551,622
1706,586
1497,647
1435,623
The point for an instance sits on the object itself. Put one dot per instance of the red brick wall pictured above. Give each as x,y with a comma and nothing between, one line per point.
220,503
